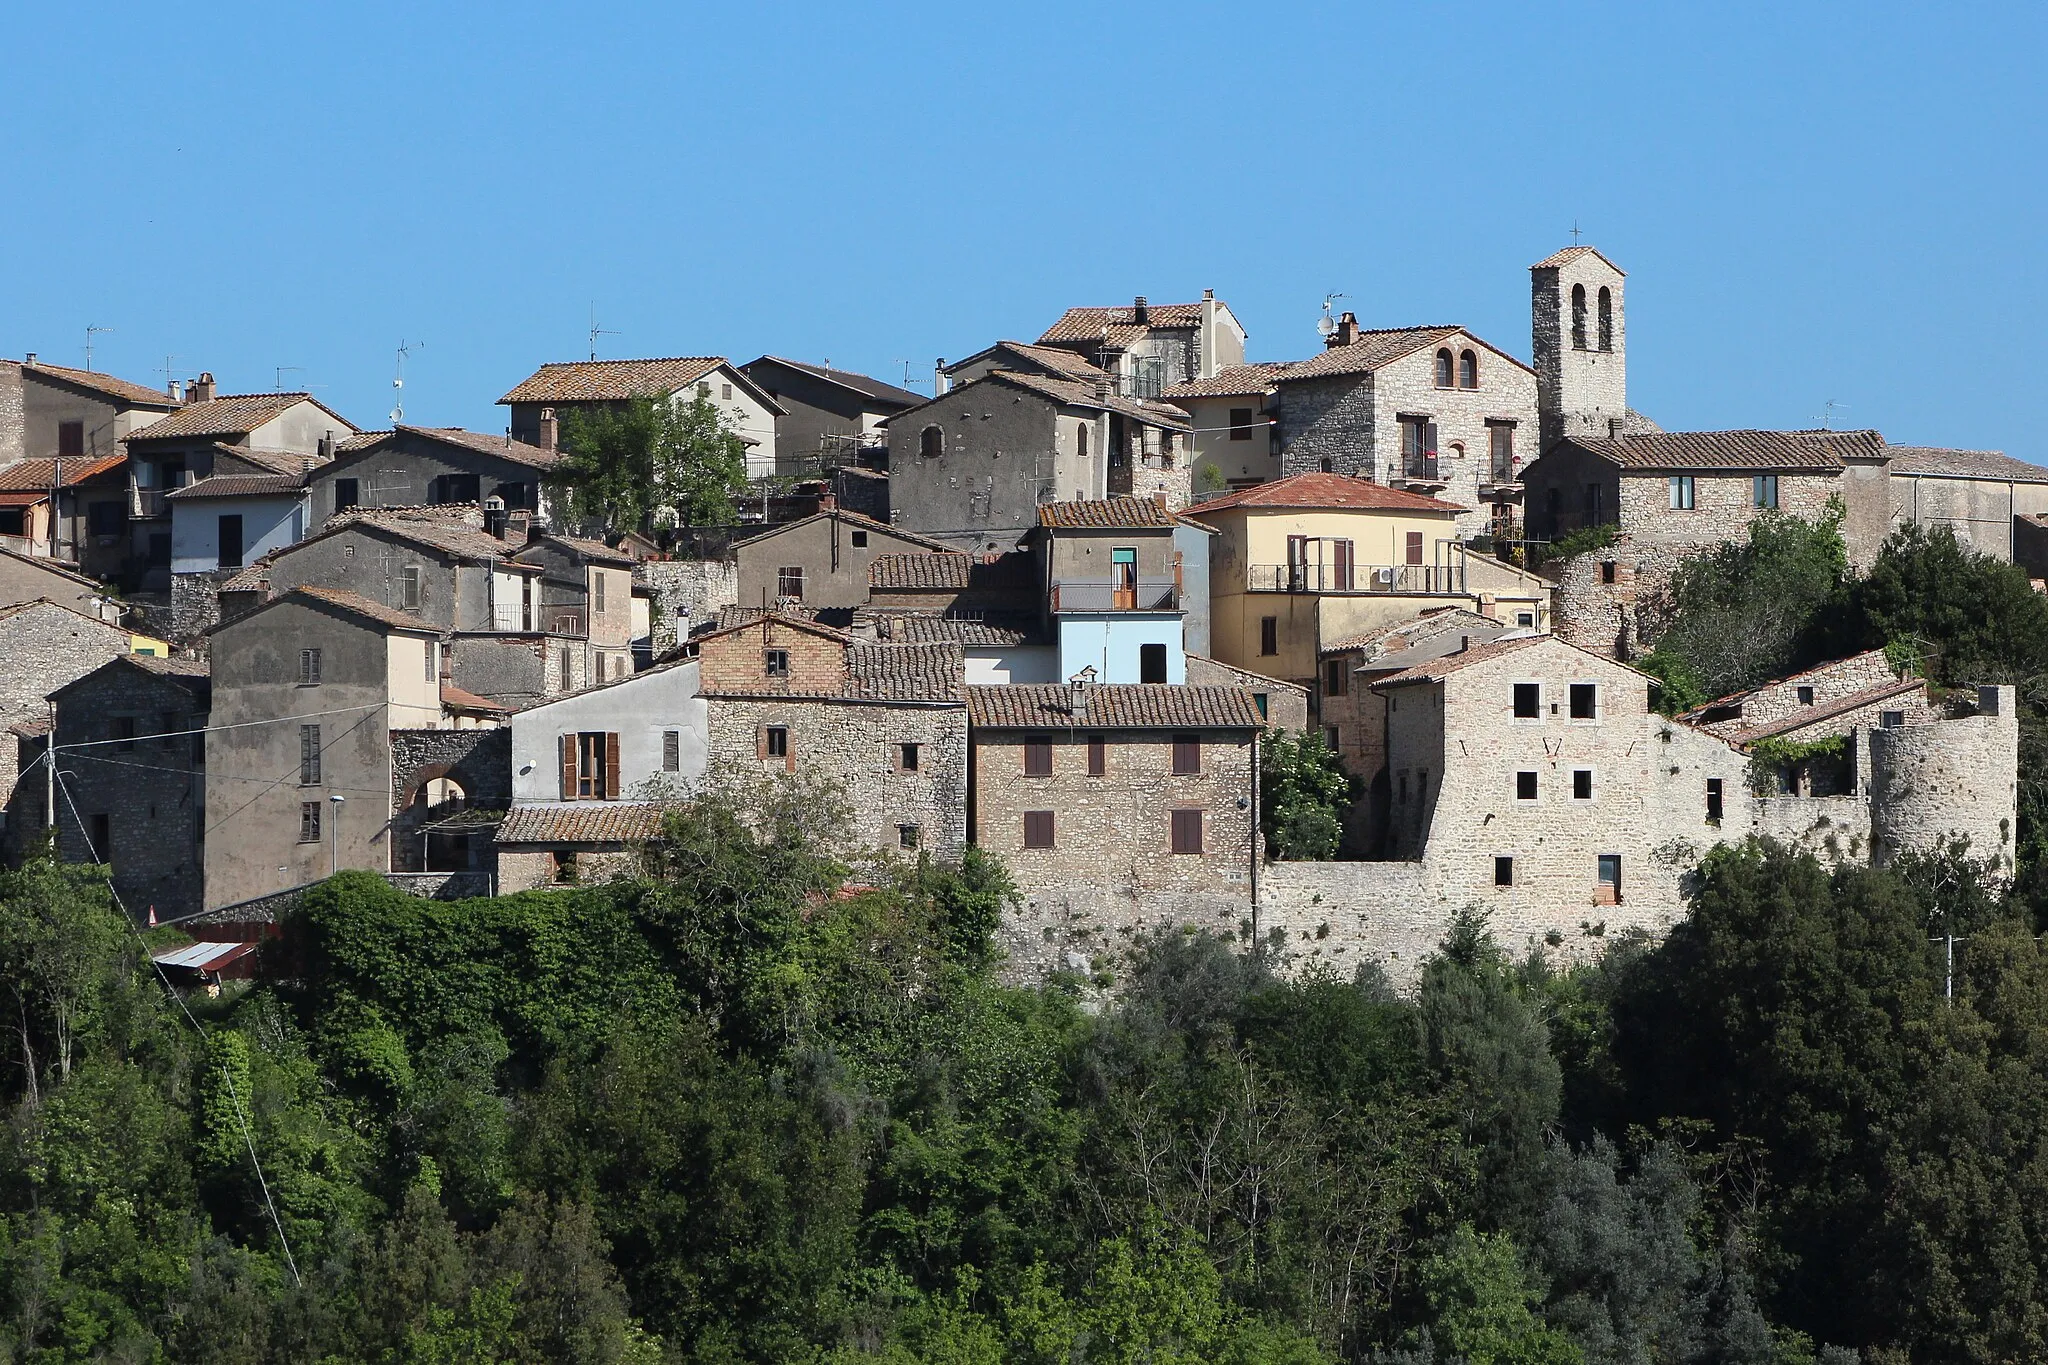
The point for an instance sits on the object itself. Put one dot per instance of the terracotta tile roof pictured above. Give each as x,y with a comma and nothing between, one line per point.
1570,254
1396,638
748,616
918,628
51,566
601,381
170,668
730,616
864,385
1813,715
1063,363
1735,450
269,461
853,520
358,605
594,550
238,486
139,394
457,699
1255,681
34,475
235,414
1326,490
581,822
1373,349
1113,706
447,533
952,571
1107,514
362,440
1935,462
1435,670
1080,394
905,672
482,442
1235,381
1114,325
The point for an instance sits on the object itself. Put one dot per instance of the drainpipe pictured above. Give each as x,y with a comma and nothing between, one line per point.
1257,736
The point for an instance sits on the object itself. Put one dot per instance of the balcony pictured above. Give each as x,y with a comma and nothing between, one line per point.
1421,472
1399,579
145,503
510,618
1115,595
1503,478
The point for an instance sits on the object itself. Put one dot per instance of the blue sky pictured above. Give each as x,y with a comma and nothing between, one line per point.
1814,203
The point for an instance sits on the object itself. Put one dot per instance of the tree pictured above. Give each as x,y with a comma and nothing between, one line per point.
1304,794
1483,1308
61,959
651,462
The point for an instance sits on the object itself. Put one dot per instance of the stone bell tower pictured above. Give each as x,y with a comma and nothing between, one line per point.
1581,345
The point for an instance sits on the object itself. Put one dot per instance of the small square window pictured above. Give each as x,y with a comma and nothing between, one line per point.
1528,701
1607,571
1038,829
1582,784
860,540
1610,873
1525,786
775,743
1585,701
789,582
1187,831
1187,755
565,867
1525,618
725,392
309,667
309,822
1503,871
1891,720
1333,738
907,757
1806,696
908,836
1764,490
776,662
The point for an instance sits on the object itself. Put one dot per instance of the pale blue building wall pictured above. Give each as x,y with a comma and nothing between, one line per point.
267,524
1108,642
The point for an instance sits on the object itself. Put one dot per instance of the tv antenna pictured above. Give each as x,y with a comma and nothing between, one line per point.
405,348
169,371
1326,325
906,373
597,331
277,380
92,330
1827,414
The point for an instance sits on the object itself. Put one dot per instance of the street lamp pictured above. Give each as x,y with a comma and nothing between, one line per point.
334,835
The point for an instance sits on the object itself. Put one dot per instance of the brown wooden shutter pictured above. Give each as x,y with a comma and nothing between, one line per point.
1098,756
1038,829
1038,756
1187,755
1187,831
568,767
611,766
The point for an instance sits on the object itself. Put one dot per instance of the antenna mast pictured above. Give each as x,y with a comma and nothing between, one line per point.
277,380
597,331
398,378
91,330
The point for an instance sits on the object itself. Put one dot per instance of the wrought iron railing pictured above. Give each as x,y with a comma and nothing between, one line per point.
1108,595
1389,578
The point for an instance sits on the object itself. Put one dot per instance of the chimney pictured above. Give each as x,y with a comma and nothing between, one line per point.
202,387
1140,314
1205,340
1346,332
31,359
177,390
495,519
1105,388
325,448
550,429
518,527
1464,643
938,376
828,502
1077,693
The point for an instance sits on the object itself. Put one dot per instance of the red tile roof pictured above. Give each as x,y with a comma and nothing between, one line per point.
358,605
34,475
602,381
482,442
581,822
1326,491
1107,514
1059,360
1233,382
238,486
864,385
1100,324
457,699
1570,254
235,414
1112,706
1077,393
141,395
1435,670
952,571
1735,450
853,520
1936,463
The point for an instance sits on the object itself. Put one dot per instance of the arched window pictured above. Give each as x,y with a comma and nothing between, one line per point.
1578,317
1081,439
1443,368
1468,370
931,443
1606,319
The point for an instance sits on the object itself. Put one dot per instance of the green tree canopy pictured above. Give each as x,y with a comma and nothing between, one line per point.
651,463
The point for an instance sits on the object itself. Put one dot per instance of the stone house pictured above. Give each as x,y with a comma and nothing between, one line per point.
1019,357
90,529
52,411
433,466
46,645
1281,705
1579,330
886,722
1116,808
973,465
1118,592
1150,347
995,648
133,773
821,561
1433,410
964,586
308,691
30,578
1837,699
1316,557
1982,495
592,771
196,441
555,390
829,417
586,589
1234,439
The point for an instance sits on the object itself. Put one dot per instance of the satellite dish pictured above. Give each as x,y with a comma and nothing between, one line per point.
1325,325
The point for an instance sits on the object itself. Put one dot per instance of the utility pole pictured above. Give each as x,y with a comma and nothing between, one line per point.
334,834
50,775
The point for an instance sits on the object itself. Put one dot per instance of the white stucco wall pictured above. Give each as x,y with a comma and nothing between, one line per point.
640,710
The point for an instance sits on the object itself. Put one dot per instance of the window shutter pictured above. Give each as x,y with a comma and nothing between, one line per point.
1187,831
611,766
568,767
1429,438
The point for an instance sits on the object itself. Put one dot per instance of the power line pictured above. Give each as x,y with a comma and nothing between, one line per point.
215,729
234,1092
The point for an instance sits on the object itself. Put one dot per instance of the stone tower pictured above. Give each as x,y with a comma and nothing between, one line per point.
1581,345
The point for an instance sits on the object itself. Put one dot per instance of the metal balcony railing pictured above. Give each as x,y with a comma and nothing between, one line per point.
508,616
1107,595
1388,578
1424,468
147,502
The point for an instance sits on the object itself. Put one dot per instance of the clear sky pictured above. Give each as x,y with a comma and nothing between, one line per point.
1813,203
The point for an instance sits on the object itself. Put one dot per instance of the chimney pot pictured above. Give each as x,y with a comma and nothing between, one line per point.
1140,314
1207,295
31,358
827,502
1105,387
202,387
938,376
550,429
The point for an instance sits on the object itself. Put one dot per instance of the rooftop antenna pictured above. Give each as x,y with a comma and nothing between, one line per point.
1827,414
597,331
169,371
92,330
1326,324
398,378
277,381
906,374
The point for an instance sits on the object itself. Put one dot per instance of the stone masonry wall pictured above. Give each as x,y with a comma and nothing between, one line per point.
13,416
45,647
1326,420
696,587
1506,392
1621,619
856,743
1932,783
195,602
736,661
1723,506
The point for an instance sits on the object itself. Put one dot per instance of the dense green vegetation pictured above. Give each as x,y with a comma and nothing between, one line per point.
739,1110
650,465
